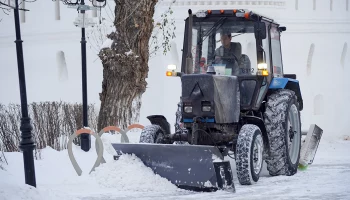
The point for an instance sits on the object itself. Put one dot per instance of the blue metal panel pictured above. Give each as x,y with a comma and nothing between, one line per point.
278,83
209,120
188,120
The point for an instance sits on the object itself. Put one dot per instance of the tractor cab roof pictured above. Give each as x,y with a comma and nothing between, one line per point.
233,13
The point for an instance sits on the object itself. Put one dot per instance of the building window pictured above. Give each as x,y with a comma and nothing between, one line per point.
22,12
331,5
296,4
347,5
343,55
318,105
57,10
62,66
309,59
314,5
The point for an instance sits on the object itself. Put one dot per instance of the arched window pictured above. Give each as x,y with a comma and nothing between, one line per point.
22,12
343,55
94,11
57,10
314,5
309,59
62,66
331,5
318,105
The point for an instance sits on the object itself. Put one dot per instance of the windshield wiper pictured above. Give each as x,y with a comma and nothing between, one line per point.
215,26
239,32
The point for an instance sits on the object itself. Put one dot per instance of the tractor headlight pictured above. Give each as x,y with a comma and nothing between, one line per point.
171,67
188,109
262,66
206,108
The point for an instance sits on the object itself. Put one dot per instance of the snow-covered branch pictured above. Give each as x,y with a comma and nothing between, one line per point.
163,30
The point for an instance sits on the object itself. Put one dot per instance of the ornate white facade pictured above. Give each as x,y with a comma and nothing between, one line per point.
315,47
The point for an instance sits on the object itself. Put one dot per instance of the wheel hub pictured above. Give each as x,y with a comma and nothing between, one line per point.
293,133
257,154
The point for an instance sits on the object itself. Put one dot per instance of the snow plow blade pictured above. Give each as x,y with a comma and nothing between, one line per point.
190,167
310,145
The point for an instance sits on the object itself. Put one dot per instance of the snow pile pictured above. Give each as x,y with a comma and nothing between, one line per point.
130,174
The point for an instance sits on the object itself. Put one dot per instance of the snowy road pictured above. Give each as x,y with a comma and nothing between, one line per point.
321,181
328,178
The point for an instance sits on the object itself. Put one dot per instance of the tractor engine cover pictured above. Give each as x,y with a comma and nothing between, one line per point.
221,93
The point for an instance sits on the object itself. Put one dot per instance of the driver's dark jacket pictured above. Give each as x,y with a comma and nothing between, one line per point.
235,49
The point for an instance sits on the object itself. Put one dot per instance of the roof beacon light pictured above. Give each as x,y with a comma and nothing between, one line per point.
201,13
240,12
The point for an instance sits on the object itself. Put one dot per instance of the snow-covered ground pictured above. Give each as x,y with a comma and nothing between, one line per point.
314,33
327,178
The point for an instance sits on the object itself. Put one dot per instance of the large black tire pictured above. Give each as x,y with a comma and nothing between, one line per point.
276,117
151,134
248,157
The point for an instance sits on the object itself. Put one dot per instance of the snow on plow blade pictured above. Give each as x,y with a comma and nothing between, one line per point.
310,145
190,167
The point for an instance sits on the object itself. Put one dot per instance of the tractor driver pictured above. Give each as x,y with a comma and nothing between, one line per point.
229,53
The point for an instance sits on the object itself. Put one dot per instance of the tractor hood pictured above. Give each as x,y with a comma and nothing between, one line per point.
221,93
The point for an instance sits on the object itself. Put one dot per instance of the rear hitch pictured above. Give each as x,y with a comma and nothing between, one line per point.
194,138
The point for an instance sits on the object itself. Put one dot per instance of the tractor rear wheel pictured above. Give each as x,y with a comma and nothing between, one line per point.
282,121
151,134
249,154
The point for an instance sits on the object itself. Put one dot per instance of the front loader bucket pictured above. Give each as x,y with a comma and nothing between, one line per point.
310,145
190,167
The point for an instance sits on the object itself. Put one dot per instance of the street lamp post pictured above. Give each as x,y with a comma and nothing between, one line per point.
27,144
82,21
85,138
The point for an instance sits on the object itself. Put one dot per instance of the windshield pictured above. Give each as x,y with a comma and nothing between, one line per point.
229,46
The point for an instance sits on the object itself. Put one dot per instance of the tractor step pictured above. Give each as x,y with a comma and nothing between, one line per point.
190,167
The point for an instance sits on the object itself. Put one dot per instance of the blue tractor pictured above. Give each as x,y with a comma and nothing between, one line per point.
236,101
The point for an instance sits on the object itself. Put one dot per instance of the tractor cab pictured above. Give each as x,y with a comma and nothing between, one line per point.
236,40
234,43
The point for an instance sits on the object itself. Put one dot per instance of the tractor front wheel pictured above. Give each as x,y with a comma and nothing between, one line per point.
249,154
152,134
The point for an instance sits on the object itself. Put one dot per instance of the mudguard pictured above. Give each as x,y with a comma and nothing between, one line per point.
161,121
288,83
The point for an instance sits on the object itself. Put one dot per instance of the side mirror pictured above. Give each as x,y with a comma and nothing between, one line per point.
260,30
282,28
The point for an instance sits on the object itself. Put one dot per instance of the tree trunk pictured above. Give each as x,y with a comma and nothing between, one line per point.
125,63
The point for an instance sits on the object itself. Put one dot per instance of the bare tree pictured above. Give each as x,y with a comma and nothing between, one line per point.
125,61
163,30
5,7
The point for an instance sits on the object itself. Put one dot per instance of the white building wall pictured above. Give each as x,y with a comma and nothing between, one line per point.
324,23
